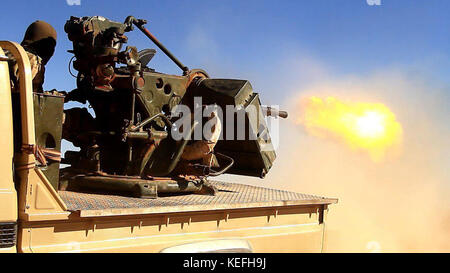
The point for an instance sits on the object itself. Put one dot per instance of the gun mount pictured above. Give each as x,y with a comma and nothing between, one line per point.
131,143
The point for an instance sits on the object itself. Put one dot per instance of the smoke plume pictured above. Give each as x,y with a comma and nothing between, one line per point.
393,197
395,203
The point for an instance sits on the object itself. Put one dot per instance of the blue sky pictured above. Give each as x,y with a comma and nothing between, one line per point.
251,38
278,46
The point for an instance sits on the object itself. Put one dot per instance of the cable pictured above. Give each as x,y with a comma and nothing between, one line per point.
70,70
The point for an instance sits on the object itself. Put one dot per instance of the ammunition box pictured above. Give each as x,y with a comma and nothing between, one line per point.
48,117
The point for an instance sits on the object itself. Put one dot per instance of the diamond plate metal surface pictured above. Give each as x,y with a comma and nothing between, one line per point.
230,194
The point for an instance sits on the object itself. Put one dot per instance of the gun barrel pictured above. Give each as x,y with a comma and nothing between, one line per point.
273,112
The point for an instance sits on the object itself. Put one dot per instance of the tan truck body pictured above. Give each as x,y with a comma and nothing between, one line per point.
34,217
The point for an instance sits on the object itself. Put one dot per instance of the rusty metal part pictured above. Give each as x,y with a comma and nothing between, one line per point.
198,150
147,135
196,74
138,187
4,58
42,155
147,155
226,168
150,119
180,150
204,170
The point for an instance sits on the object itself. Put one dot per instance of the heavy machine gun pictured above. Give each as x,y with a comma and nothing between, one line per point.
131,144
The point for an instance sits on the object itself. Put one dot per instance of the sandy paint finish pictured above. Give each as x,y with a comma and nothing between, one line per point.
8,194
41,201
37,198
292,229
26,89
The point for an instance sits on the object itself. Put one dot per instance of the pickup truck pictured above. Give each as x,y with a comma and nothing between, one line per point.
37,217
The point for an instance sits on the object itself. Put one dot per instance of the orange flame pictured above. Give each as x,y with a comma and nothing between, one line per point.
371,127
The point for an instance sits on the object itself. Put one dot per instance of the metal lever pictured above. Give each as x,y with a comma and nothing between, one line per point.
139,23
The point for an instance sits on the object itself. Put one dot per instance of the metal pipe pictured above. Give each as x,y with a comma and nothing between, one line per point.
178,154
273,112
145,122
148,153
140,25
138,135
133,105
130,146
145,135
226,168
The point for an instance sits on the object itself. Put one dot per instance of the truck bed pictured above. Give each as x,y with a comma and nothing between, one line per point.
229,196
261,219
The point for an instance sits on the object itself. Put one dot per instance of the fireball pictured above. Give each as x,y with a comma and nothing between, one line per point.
370,127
